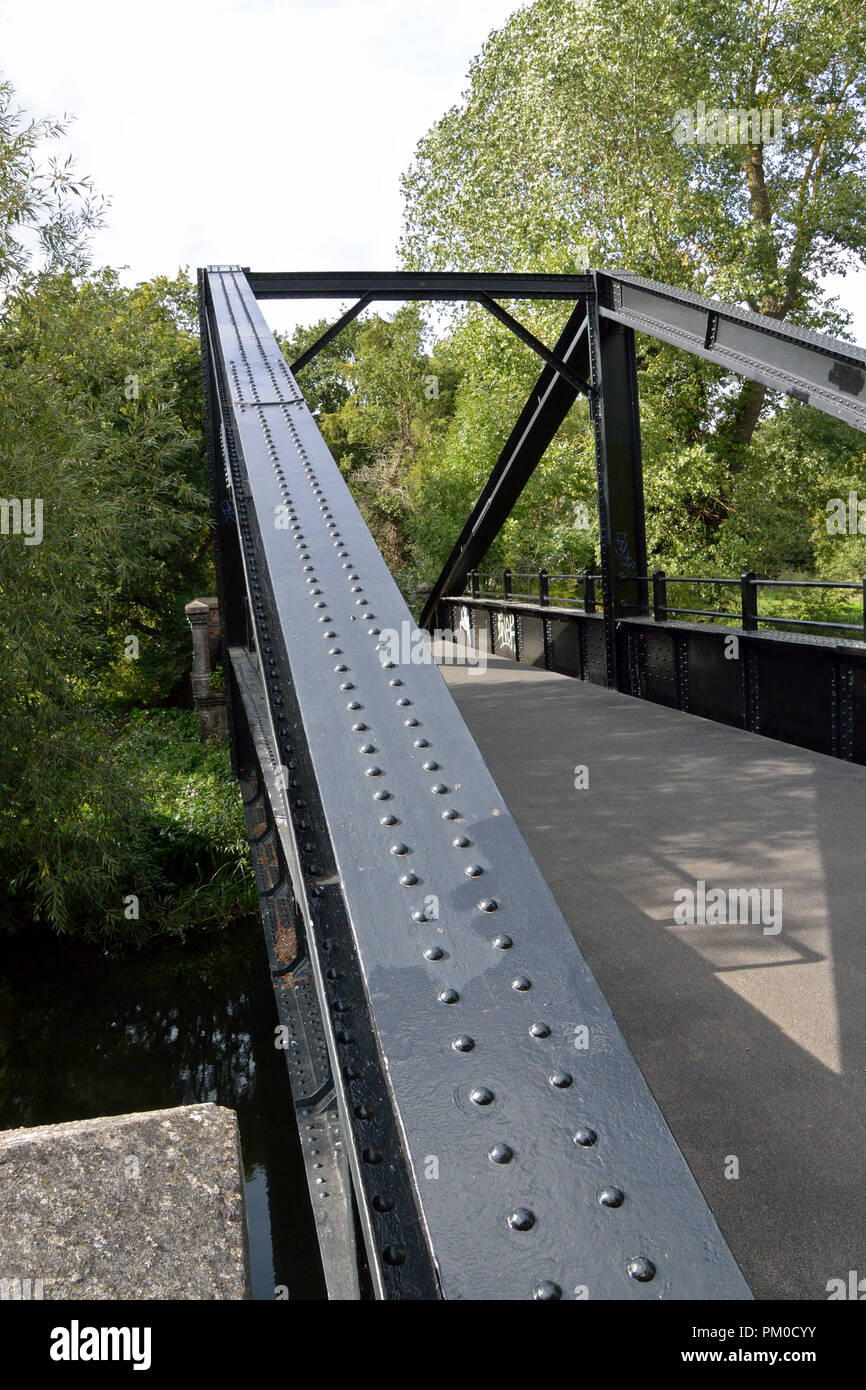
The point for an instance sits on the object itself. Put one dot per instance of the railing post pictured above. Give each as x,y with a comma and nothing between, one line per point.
475,587
748,601
544,589
588,592
660,596
506,585
864,608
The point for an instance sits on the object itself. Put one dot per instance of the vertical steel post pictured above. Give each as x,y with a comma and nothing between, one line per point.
622,526
506,585
588,592
749,601
660,596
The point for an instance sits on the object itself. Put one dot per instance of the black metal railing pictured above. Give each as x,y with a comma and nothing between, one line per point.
747,615
545,593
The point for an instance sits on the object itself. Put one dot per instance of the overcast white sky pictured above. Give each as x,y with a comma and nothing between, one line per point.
269,132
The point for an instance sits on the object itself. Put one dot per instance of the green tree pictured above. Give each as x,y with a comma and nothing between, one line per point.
567,149
46,211
114,822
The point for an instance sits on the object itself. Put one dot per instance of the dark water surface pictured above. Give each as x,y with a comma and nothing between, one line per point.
83,1034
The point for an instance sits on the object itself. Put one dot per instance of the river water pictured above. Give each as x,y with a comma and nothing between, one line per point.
85,1034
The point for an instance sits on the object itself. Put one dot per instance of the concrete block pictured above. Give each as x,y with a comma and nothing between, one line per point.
145,1206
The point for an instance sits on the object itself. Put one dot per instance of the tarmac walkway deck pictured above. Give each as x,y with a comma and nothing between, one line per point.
752,1041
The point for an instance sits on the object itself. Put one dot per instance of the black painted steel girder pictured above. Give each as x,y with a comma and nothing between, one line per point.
405,284
501,1140
820,371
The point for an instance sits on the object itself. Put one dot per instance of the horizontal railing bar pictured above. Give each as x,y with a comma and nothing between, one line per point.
701,612
811,622
806,583
763,583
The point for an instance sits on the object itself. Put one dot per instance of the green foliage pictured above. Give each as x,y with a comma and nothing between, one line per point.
103,514
111,809
46,212
563,152
102,422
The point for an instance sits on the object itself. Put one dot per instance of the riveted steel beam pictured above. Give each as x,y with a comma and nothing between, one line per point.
818,370
405,285
501,1140
619,476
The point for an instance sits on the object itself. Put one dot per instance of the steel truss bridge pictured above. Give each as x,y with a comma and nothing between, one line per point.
458,1143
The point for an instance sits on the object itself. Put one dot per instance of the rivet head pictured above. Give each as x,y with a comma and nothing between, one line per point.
463,1043
547,1290
382,796
347,685
388,820
460,842
373,771
611,1197
399,848
353,704
584,1137
540,1030
501,1153
383,1203
359,728
367,749
473,871
641,1269
422,743
434,953
341,667
503,942
481,1095
438,789
394,1254
408,880
410,723
430,766
448,996
450,814
488,904
403,702
419,915
522,1219
561,1080
521,983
